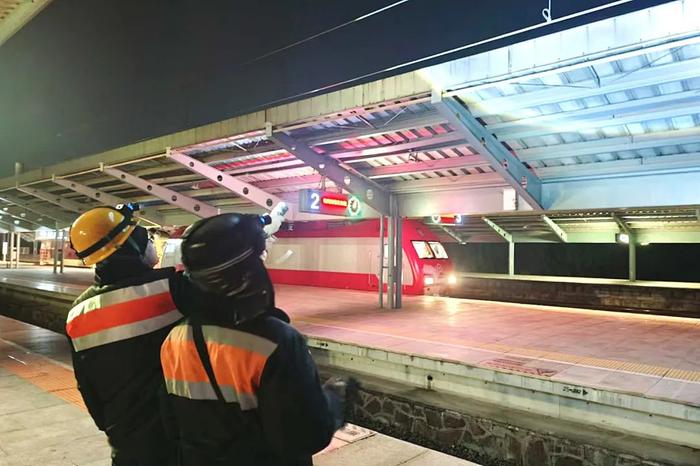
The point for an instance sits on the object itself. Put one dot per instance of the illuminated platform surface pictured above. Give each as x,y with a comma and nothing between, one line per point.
43,420
585,280
652,356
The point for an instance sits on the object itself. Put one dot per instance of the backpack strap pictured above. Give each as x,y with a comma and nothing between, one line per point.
201,345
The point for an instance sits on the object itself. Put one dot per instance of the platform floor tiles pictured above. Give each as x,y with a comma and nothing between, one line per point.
651,356
43,420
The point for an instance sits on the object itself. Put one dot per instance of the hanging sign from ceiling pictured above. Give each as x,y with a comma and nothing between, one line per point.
315,201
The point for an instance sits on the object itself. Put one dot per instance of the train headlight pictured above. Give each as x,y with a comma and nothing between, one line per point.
452,279
429,280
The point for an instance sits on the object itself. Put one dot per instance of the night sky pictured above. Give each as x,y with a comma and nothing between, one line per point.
89,75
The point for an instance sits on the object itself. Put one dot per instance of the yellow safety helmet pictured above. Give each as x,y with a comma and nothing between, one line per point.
99,232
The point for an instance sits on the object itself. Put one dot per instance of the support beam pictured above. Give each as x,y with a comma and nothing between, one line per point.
652,140
649,76
54,199
17,213
511,243
245,190
106,198
367,191
451,163
189,204
501,232
525,182
556,229
43,213
452,234
19,14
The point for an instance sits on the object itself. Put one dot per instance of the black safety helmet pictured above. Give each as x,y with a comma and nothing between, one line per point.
221,254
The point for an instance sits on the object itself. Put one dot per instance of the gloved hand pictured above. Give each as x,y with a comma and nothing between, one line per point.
344,390
338,385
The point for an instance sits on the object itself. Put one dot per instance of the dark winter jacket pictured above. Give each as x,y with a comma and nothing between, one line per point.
274,410
116,328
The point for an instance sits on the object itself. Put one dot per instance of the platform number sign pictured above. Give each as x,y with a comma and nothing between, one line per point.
325,202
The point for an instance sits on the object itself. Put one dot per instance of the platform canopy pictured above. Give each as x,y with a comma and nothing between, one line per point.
601,116
648,225
14,14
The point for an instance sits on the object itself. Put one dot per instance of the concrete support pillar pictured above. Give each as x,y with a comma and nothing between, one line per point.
55,249
62,251
10,248
18,238
632,248
398,248
390,265
511,257
395,255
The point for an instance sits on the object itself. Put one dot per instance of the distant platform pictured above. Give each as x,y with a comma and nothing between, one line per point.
646,297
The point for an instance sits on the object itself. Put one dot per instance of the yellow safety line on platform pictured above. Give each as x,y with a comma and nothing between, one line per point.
533,353
41,372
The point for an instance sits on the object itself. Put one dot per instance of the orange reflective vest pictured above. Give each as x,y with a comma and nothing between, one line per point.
237,358
121,314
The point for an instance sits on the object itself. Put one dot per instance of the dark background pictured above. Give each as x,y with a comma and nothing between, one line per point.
89,75
673,262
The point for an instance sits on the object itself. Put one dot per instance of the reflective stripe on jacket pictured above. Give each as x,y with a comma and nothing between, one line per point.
238,359
274,410
121,314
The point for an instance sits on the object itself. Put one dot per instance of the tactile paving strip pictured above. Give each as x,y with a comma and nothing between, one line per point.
41,372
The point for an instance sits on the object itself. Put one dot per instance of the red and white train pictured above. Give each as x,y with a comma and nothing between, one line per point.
346,255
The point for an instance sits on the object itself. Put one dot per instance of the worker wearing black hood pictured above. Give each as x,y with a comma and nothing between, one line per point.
241,382
116,328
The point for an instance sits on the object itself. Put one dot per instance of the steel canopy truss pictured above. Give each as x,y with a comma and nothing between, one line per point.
11,225
509,239
105,198
41,212
367,191
30,217
526,183
54,199
246,190
182,201
556,229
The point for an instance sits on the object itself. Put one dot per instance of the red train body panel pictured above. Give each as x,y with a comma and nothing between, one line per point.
340,255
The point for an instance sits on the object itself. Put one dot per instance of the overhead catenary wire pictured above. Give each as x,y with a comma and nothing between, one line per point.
323,33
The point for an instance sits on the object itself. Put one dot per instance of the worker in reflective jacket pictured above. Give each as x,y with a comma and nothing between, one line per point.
116,328
241,382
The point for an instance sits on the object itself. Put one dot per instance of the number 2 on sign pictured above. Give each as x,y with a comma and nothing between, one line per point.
315,199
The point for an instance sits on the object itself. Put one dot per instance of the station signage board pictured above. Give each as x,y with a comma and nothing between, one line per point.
442,219
315,201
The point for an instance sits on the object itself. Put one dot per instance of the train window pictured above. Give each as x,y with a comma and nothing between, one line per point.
438,249
423,250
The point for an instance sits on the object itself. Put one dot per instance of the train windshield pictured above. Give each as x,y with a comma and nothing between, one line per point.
438,250
423,250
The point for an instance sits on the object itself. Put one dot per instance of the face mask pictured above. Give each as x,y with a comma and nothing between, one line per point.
150,256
